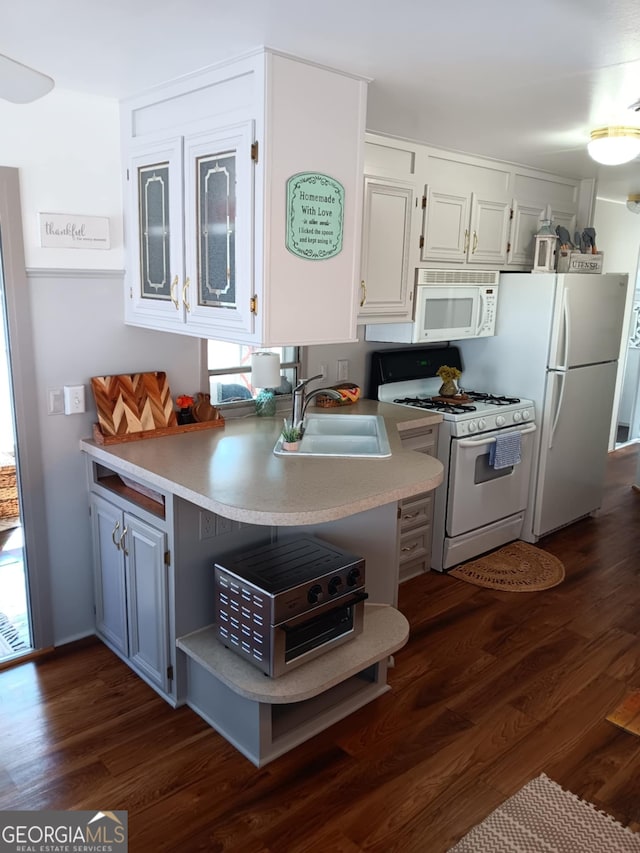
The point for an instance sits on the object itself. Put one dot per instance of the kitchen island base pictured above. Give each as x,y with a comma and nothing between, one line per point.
266,717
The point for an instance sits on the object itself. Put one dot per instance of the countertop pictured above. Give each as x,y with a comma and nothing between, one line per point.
234,472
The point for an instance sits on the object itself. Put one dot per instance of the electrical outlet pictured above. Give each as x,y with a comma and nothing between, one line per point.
224,525
324,371
207,524
343,369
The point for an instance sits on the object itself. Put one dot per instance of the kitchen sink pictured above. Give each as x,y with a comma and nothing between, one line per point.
353,436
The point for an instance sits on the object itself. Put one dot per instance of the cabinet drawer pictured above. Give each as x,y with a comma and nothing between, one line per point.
421,439
412,568
416,512
415,545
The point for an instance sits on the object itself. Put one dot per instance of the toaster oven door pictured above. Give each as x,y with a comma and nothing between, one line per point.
311,634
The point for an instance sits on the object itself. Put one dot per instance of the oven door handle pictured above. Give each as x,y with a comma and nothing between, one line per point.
355,598
467,442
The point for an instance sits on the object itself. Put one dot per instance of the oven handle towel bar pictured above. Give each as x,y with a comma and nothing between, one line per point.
466,442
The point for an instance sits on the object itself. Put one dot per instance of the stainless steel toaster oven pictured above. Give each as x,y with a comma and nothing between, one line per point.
283,604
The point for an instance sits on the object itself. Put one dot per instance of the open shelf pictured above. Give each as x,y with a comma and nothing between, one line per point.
115,484
265,717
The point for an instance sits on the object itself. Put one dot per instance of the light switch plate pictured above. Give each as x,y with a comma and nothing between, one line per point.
74,399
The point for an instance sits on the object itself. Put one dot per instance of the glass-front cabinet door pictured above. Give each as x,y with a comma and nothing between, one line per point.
157,286
219,230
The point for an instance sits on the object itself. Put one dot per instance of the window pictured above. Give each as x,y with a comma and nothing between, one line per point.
229,370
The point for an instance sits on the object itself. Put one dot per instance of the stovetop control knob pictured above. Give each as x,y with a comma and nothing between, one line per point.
517,416
315,594
526,414
500,421
473,426
334,585
482,423
353,577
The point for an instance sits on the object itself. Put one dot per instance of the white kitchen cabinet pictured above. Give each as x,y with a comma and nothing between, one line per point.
193,198
386,292
525,223
464,227
131,590
219,244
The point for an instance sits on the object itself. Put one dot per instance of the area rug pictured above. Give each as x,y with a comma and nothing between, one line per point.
544,818
10,639
627,714
517,567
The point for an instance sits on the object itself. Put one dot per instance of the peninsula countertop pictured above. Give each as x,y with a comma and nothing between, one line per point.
233,471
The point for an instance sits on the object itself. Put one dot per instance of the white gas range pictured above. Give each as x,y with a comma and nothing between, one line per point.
484,443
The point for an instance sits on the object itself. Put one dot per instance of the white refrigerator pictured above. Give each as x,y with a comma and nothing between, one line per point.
557,343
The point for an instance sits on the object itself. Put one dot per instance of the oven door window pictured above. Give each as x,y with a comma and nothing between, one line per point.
317,631
478,493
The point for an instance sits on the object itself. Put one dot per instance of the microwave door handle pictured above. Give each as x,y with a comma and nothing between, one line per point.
483,311
469,442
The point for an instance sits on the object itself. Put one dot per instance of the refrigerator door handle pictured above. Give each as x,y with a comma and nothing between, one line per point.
560,377
565,328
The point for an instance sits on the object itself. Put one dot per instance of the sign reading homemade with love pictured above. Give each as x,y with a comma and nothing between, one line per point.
315,216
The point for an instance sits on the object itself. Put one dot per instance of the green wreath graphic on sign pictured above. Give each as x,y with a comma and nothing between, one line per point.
315,216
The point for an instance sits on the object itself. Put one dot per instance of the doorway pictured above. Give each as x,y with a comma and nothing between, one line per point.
15,615
628,426
25,589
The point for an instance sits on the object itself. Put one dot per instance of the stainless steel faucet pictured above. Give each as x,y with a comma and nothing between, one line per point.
301,399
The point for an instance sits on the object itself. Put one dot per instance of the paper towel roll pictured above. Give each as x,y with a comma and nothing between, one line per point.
265,370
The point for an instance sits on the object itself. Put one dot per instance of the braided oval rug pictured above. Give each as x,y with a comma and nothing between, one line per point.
517,567
544,818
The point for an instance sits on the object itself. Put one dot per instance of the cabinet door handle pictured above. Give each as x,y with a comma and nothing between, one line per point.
115,541
173,293
410,515
185,291
363,291
122,543
475,242
410,547
466,241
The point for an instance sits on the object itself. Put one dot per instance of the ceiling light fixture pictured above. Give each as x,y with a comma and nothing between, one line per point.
614,145
633,203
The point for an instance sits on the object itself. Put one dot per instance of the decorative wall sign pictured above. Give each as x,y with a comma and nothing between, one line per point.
69,231
315,216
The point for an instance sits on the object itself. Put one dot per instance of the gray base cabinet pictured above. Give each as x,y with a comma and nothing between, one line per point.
130,578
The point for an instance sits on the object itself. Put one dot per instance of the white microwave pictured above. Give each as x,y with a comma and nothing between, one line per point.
449,305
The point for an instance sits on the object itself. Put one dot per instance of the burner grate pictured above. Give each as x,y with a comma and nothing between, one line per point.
436,405
494,399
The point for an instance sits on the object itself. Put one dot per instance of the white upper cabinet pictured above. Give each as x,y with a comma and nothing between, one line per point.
385,291
390,231
525,223
539,197
466,211
244,202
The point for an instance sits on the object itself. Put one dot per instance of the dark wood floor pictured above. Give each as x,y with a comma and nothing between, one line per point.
492,689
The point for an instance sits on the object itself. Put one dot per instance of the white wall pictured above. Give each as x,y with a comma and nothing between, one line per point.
66,148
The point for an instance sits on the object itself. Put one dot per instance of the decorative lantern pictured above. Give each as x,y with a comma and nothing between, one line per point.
544,256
